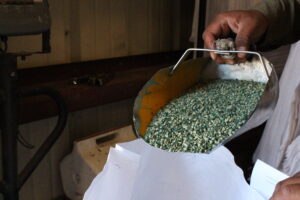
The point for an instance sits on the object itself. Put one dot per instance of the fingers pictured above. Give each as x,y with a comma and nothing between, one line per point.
243,38
297,174
292,192
289,181
214,31
219,28
288,192
209,39
209,42
288,189
242,44
249,27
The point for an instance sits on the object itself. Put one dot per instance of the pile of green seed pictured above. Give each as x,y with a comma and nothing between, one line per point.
204,116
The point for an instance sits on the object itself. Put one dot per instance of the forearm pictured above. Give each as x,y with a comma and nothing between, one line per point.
284,22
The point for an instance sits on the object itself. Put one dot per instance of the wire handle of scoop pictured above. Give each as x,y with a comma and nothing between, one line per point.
187,52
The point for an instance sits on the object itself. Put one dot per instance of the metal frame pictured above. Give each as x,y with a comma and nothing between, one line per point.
9,94
8,79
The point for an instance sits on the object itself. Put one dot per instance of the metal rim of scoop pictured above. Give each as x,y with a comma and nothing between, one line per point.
186,53
224,52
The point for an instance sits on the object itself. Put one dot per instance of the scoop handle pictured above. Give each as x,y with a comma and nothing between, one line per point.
187,52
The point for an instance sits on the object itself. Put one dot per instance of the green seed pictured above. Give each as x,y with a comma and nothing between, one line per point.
203,117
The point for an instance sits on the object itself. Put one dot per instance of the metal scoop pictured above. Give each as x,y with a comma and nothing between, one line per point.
172,82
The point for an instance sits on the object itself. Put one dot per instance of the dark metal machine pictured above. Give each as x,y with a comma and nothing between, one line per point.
17,18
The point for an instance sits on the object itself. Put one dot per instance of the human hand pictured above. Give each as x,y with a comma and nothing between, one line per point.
288,189
249,27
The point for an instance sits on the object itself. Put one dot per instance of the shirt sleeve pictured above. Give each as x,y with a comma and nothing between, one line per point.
284,22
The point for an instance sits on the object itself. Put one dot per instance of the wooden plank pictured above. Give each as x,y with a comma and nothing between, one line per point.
119,27
186,19
176,24
63,72
58,33
166,35
67,29
87,29
75,31
94,29
128,79
138,27
154,26
103,29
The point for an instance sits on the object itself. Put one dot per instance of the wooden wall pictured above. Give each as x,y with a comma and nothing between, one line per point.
93,29
89,30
